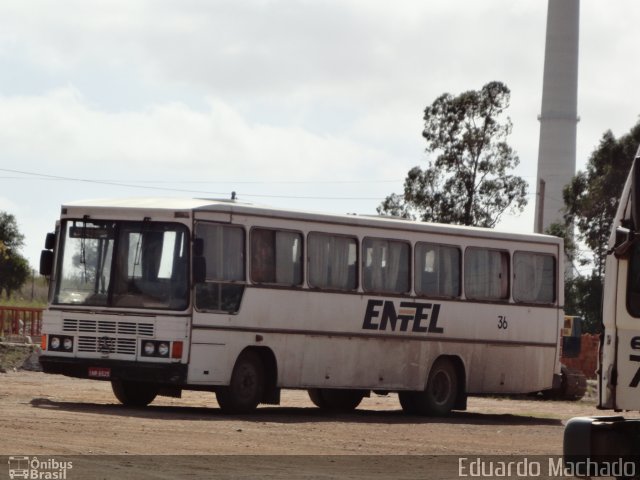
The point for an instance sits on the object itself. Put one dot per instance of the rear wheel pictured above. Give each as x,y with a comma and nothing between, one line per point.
409,402
315,394
134,394
573,386
336,400
246,388
439,396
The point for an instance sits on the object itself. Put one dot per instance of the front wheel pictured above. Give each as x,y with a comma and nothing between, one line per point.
246,387
134,394
439,396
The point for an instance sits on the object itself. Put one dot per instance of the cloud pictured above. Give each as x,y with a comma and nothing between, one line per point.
61,134
343,48
171,149
274,90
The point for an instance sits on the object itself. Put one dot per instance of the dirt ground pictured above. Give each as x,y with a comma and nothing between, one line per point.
52,415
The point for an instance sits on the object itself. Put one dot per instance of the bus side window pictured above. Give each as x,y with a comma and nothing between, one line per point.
224,255
437,270
385,265
276,257
486,274
332,261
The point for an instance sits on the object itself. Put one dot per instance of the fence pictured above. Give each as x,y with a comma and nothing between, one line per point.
20,321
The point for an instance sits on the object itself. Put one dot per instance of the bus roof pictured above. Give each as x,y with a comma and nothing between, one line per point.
145,204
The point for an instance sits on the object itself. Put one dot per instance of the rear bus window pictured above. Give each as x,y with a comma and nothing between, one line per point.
534,277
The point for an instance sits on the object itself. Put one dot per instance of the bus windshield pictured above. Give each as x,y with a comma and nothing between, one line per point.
123,264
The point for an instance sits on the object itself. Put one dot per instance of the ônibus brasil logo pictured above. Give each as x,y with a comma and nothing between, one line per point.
34,468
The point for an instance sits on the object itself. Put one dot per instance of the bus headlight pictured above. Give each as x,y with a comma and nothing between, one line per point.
60,343
149,348
163,349
156,348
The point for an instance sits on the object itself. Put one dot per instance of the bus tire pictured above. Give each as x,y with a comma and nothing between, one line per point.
439,396
134,394
336,400
572,388
246,387
442,388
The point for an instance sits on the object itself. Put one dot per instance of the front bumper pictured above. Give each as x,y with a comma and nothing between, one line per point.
170,374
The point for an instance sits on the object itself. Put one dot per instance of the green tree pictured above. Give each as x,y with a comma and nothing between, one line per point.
583,297
469,182
10,235
591,201
14,272
14,268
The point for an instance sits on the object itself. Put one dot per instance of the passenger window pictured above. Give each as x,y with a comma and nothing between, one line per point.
437,270
534,277
486,274
385,266
276,257
225,271
332,261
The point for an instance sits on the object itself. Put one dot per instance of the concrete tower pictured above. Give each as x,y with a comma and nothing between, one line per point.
559,115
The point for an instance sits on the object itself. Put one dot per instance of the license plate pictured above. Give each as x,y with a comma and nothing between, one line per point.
99,372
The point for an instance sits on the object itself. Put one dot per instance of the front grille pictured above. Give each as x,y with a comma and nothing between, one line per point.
109,335
123,346
108,326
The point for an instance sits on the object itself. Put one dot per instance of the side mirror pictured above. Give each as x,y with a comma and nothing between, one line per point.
50,241
625,239
46,262
199,269
635,192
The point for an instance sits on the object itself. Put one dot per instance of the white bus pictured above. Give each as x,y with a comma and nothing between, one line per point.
614,437
159,296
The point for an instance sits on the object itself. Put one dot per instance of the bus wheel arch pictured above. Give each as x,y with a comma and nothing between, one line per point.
246,385
444,390
253,381
271,393
461,372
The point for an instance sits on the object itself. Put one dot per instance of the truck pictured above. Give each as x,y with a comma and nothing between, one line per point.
594,445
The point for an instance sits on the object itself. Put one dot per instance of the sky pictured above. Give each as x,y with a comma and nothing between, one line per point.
314,105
